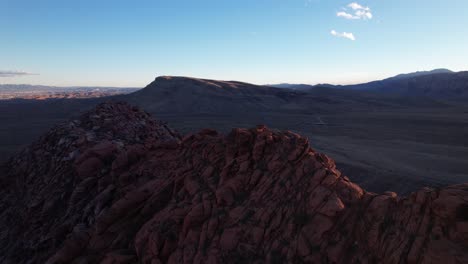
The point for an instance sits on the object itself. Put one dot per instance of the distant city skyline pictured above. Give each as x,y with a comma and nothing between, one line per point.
129,43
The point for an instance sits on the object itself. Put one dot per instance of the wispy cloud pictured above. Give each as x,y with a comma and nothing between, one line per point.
346,35
357,12
356,6
14,73
345,15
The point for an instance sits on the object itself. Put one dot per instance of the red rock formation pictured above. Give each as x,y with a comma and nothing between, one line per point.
117,187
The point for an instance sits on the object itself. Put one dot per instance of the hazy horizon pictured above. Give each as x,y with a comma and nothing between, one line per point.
128,44
219,79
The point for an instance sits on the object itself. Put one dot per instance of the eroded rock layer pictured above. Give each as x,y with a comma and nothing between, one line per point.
118,187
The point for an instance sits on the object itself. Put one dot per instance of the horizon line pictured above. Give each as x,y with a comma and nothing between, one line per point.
226,80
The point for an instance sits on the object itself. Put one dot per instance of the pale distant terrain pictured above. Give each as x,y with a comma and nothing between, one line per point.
40,92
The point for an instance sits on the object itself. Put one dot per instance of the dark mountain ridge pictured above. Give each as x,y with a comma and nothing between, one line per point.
439,84
435,85
420,73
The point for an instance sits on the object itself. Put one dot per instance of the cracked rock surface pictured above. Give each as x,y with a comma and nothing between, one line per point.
115,186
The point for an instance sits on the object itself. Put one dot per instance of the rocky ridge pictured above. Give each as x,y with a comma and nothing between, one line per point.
116,186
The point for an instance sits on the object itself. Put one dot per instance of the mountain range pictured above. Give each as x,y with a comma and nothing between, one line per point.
439,83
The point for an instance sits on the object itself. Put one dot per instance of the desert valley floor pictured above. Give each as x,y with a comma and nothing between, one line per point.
400,146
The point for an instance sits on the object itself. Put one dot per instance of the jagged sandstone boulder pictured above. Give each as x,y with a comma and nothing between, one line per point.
118,187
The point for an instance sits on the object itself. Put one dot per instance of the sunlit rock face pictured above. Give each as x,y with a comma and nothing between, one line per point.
115,186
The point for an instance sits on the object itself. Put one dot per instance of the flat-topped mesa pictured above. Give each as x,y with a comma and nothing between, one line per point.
194,81
205,86
254,195
191,96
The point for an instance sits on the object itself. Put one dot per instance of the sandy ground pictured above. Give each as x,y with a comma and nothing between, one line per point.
396,151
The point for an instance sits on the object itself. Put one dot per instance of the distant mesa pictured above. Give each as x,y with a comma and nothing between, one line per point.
170,94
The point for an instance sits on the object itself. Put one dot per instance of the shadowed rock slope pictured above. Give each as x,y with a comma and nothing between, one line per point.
176,95
117,187
170,95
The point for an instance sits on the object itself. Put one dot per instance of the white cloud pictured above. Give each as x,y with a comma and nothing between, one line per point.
359,12
14,73
364,14
347,35
346,15
356,6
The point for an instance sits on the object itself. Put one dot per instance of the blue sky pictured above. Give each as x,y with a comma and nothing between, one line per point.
129,43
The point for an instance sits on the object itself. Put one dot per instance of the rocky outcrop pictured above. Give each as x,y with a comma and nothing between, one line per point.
118,187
